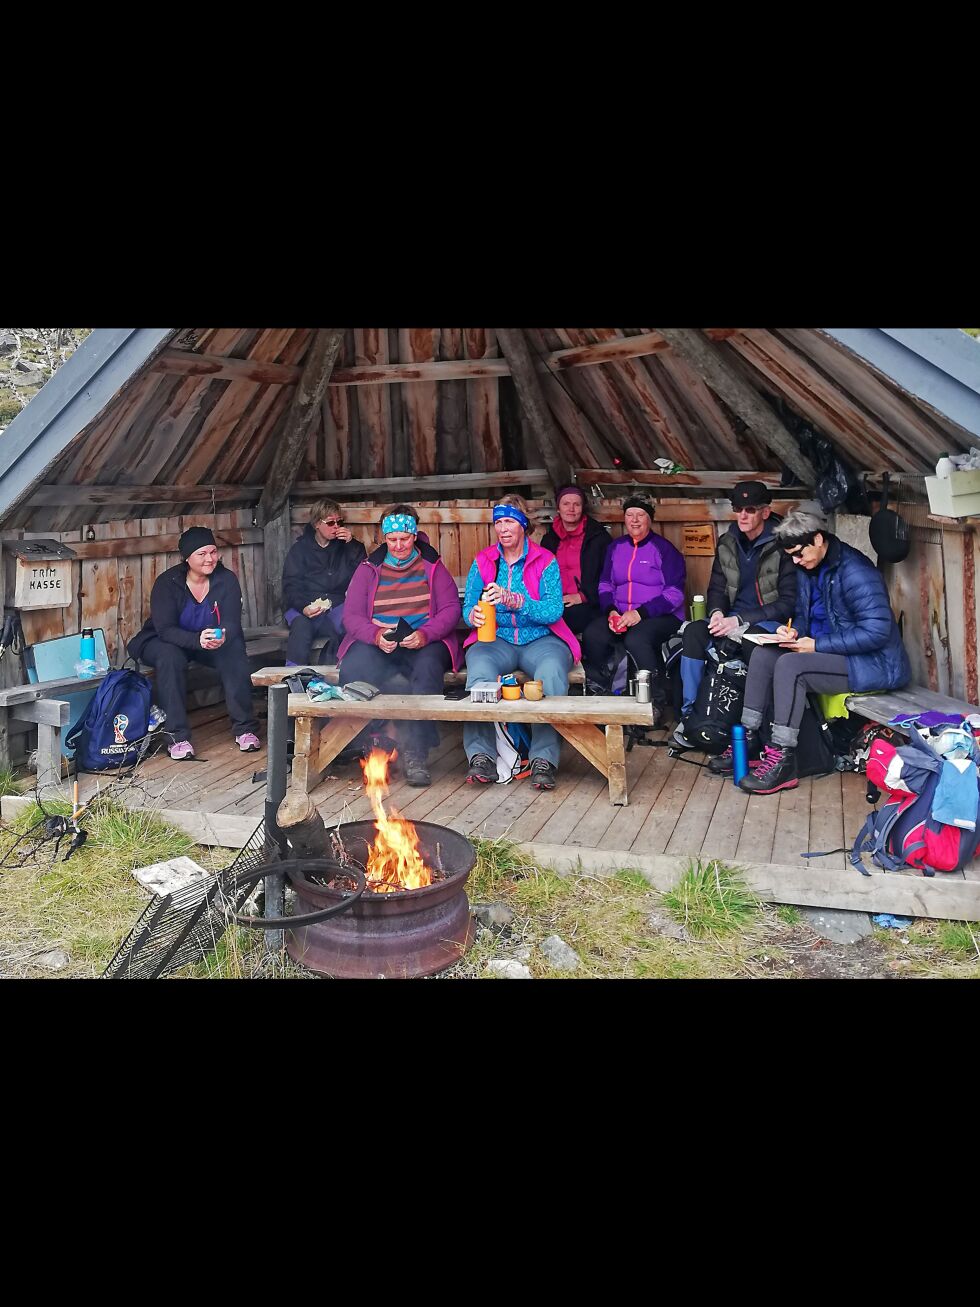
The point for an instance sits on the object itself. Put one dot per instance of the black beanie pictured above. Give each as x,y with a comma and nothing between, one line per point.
194,538
637,501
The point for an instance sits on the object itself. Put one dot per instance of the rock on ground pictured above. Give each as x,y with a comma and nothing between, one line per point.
508,969
55,959
840,925
663,923
559,954
494,916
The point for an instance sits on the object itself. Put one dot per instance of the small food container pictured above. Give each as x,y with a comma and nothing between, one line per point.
510,691
533,690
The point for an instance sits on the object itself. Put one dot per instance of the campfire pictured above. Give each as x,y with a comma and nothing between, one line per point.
394,861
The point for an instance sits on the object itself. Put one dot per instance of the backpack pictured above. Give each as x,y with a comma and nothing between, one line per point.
513,746
718,705
816,749
903,832
115,730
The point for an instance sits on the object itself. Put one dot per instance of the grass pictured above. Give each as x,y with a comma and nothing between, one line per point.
712,899
9,784
788,915
960,938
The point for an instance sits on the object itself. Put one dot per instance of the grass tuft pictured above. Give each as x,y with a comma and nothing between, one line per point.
788,915
960,938
711,898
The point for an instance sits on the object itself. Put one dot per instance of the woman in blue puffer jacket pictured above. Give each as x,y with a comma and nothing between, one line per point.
845,639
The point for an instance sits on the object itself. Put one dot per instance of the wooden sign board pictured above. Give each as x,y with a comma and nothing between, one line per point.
698,540
45,584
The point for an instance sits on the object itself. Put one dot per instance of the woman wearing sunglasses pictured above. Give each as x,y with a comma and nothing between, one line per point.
315,577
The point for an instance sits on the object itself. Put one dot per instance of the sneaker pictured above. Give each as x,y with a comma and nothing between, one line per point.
679,738
248,743
543,774
415,770
775,770
157,718
181,750
724,764
482,770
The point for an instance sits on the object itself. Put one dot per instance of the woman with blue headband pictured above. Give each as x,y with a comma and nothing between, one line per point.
403,584
523,581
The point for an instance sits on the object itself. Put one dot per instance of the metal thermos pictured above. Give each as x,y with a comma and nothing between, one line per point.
740,753
87,654
699,608
643,687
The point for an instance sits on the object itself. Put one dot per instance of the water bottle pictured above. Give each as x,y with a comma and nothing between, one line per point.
87,667
944,467
643,687
699,608
488,631
740,753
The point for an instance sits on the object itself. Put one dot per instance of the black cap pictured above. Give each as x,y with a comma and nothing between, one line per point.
750,494
639,501
194,538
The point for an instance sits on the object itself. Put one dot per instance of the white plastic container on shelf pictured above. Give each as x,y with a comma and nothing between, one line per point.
944,467
956,495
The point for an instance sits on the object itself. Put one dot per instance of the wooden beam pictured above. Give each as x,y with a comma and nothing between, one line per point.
305,407
414,488
517,352
719,374
108,496
187,364
135,546
591,476
278,538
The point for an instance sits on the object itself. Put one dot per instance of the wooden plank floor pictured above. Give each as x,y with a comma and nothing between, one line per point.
674,807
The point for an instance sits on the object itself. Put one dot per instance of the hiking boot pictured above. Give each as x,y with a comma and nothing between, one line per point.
680,739
543,774
181,750
248,743
482,770
724,764
415,770
775,770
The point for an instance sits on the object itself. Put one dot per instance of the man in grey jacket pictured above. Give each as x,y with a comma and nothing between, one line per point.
752,583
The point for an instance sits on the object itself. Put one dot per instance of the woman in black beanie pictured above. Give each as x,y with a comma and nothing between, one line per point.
196,615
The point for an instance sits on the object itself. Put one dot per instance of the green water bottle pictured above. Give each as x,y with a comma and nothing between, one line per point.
699,609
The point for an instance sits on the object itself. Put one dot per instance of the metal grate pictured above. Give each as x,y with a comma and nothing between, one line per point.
181,928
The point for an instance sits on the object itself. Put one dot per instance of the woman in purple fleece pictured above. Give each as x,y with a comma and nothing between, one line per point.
641,599
403,583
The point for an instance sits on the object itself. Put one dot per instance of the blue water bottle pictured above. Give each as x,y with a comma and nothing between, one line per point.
87,654
740,753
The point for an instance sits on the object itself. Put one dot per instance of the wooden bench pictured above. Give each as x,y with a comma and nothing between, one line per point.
330,672
323,729
910,702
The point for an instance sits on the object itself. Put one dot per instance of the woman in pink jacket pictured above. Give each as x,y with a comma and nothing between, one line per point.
403,584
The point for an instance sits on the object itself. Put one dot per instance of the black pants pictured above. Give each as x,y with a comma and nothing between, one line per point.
643,642
423,669
170,688
579,616
304,630
782,678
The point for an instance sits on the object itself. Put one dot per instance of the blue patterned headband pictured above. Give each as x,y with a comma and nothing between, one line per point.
399,522
508,510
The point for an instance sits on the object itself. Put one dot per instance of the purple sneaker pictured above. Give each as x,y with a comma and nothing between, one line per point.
248,743
181,750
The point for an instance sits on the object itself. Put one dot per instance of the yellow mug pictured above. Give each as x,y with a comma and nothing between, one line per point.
533,690
510,691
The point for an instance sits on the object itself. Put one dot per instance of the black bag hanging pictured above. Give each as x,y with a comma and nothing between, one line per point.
889,533
718,705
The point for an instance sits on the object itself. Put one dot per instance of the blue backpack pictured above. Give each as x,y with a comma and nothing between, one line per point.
113,733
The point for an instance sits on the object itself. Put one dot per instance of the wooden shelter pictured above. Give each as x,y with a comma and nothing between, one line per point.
145,431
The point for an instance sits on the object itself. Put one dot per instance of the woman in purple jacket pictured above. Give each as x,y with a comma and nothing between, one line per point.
641,599
403,583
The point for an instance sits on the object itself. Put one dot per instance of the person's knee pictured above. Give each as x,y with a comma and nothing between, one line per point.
163,655
553,674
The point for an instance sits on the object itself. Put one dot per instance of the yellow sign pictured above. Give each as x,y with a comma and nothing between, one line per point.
698,540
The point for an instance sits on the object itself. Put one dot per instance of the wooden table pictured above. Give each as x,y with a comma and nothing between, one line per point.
323,729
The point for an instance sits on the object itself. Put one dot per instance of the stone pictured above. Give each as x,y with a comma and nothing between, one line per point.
167,877
25,365
55,959
8,343
660,921
24,379
837,924
522,953
508,969
494,916
559,954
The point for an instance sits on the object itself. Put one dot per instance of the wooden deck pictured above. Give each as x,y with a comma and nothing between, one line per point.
674,807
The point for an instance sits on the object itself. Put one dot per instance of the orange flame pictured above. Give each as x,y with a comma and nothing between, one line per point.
394,861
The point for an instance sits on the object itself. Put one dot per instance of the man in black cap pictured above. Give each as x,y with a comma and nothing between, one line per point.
753,582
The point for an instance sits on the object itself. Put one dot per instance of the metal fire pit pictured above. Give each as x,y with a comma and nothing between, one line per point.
414,932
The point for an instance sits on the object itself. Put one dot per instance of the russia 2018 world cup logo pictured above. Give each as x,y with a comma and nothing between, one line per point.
119,724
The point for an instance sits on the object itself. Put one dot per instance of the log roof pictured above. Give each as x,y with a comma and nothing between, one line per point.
163,421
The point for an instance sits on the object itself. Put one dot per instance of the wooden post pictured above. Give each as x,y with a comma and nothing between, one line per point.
304,407
515,348
278,537
719,374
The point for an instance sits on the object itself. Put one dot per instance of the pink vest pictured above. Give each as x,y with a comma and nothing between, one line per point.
535,563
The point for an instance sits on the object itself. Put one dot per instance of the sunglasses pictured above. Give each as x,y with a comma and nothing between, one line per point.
331,521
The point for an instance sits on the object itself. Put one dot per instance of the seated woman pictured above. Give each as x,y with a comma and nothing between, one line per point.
846,639
187,603
406,581
522,580
641,598
579,543
319,566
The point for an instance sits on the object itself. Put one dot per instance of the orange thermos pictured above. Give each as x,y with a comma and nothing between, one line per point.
488,631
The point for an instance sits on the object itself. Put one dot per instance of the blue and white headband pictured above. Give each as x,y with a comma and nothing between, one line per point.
509,510
399,522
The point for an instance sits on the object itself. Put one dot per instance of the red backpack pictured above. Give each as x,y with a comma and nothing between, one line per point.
903,832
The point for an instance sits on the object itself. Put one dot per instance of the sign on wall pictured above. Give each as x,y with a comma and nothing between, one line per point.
698,540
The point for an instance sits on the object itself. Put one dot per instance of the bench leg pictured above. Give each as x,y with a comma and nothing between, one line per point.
318,740
607,756
48,754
